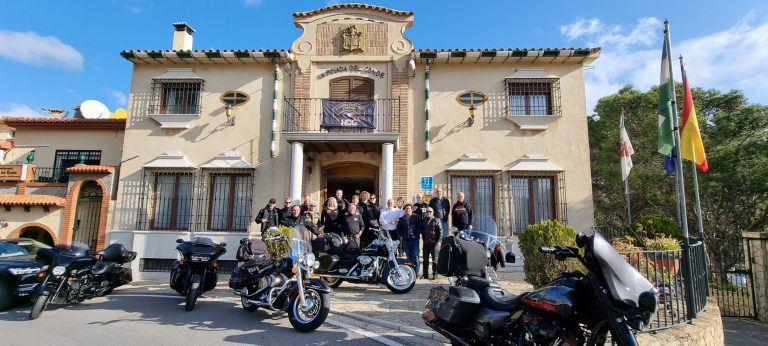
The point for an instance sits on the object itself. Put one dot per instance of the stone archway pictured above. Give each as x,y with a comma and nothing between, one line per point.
69,229
36,231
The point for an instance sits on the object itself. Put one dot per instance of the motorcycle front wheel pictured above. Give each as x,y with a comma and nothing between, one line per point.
309,317
602,335
189,303
246,303
401,279
39,306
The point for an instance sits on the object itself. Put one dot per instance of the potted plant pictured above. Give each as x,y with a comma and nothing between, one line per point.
669,263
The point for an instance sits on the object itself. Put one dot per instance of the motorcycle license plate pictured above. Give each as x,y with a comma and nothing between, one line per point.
200,258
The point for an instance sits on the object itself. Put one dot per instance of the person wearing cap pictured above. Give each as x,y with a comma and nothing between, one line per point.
269,216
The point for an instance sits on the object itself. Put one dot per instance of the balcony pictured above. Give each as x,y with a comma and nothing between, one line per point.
51,175
341,125
174,117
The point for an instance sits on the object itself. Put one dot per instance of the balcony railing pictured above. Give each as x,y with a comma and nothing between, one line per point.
176,109
51,175
306,115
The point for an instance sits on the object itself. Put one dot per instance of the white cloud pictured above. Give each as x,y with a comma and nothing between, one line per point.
119,97
33,49
20,110
730,59
252,3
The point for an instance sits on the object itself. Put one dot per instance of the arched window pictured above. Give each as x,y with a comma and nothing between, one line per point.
351,88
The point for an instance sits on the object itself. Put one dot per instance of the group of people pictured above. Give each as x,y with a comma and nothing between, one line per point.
355,219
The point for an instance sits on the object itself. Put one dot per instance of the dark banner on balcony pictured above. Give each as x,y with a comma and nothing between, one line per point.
355,114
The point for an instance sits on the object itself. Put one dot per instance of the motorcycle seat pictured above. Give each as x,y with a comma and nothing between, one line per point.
101,267
479,284
499,299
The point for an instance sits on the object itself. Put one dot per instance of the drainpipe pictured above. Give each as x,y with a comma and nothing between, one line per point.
272,144
427,133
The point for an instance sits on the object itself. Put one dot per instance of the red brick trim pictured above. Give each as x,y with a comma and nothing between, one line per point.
17,232
70,212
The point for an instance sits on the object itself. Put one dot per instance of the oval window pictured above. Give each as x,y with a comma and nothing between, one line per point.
234,98
471,98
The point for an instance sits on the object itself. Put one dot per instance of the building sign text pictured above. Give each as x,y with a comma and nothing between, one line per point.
352,68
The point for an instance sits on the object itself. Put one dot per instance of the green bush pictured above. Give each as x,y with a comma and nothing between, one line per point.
654,226
278,248
540,268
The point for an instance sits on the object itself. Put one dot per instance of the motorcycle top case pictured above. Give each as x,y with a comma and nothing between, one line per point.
453,304
117,253
460,257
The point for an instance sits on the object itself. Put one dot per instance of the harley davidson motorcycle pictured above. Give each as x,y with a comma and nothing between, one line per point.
599,307
285,284
197,269
71,275
374,264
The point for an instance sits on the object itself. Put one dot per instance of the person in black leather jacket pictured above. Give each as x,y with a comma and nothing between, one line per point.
430,236
297,219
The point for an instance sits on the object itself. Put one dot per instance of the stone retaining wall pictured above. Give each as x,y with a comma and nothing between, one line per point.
706,329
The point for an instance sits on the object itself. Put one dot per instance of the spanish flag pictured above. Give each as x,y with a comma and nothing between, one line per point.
691,146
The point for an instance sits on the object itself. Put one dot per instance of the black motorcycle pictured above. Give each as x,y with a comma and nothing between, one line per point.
285,284
71,275
600,307
374,264
197,269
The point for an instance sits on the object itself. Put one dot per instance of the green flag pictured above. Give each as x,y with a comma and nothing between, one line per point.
666,85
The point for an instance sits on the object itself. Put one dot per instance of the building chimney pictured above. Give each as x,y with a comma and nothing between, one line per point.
182,37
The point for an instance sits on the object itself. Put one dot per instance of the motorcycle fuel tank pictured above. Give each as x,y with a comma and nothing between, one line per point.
559,300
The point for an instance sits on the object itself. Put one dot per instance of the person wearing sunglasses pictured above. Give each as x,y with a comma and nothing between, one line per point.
430,235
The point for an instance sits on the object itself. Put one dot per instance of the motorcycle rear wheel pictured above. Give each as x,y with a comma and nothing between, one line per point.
311,317
602,335
189,303
41,302
333,282
401,279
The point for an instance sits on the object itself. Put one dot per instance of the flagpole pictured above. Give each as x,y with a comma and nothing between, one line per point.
681,184
626,180
697,199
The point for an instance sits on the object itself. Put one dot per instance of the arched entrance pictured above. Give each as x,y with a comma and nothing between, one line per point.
88,214
350,177
37,233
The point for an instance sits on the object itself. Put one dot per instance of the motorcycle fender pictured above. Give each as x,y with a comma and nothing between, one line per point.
625,333
400,261
195,281
318,285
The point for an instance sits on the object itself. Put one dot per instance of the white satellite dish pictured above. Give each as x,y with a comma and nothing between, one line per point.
92,109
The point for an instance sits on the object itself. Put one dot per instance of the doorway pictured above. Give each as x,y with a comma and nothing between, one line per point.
350,177
38,234
88,215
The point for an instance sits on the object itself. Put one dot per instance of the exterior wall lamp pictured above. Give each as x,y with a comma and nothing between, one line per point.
471,120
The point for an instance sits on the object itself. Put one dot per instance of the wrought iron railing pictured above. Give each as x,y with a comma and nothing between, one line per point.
51,174
306,115
680,299
173,110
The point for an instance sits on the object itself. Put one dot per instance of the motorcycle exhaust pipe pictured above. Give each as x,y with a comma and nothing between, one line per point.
344,277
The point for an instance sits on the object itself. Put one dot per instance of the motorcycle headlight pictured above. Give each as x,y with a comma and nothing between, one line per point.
310,260
364,260
58,270
21,271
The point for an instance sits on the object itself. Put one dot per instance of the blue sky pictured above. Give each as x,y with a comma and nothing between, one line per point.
60,53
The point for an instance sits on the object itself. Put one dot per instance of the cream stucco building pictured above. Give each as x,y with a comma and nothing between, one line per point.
352,105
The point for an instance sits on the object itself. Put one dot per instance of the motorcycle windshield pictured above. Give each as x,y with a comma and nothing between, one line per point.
301,244
485,232
624,281
76,249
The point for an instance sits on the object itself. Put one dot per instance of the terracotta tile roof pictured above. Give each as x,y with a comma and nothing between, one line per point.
63,123
5,145
90,169
208,56
31,200
353,6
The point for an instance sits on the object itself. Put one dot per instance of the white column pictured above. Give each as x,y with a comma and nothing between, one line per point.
297,167
387,171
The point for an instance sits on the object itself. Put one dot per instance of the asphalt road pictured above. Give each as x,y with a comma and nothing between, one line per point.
148,317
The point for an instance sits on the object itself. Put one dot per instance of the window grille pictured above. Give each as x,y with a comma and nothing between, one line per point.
199,200
534,96
165,264
68,158
176,96
536,197
480,192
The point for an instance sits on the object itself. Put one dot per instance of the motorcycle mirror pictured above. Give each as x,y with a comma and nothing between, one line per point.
223,244
179,241
581,239
509,257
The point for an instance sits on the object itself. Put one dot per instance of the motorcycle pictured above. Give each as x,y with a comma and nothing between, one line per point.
374,264
602,306
488,237
72,275
285,284
197,269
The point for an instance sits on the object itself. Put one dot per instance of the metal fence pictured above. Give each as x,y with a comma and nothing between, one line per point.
51,175
680,299
306,115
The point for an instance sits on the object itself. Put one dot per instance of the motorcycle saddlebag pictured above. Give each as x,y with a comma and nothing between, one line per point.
237,279
461,257
453,304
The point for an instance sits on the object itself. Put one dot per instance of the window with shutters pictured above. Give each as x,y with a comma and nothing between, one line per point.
351,88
